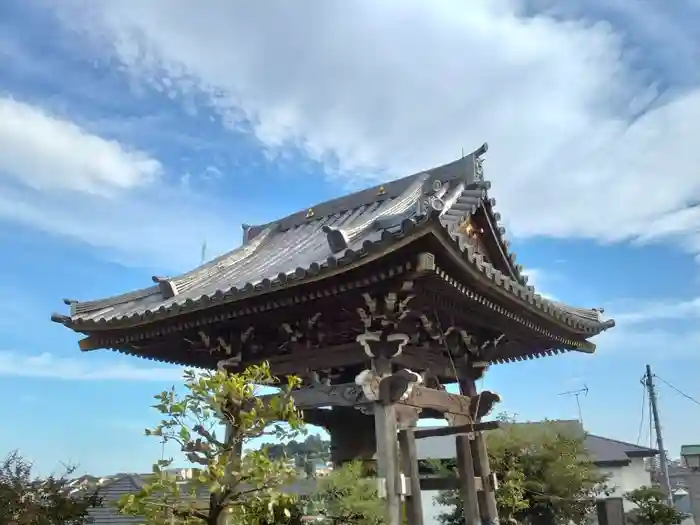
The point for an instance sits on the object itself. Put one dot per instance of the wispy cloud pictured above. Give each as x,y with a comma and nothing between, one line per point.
46,365
58,177
539,279
650,343
664,328
573,125
664,310
49,154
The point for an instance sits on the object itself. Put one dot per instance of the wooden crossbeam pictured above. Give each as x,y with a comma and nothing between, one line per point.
342,395
350,394
457,430
445,483
440,400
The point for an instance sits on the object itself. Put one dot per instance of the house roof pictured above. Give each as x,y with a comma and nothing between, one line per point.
606,450
601,450
322,240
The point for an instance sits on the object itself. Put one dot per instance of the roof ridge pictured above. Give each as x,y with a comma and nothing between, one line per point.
379,192
626,443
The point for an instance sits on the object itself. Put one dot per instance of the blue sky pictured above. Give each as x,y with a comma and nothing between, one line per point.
131,133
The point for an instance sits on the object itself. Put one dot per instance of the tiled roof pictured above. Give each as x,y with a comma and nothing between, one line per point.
332,234
606,450
601,450
111,488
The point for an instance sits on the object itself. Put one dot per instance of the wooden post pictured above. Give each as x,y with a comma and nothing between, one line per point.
387,451
487,496
409,462
610,511
467,480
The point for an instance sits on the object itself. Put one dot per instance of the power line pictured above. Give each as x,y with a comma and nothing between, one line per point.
677,390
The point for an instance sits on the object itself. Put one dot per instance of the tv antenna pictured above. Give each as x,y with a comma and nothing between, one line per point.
577,394
204,252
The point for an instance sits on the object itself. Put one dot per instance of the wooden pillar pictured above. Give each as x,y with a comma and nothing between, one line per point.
387,451
409,463
610,511
467,480
487,496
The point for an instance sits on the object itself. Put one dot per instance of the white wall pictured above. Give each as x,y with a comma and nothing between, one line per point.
434,448
622,479
430,509
627,478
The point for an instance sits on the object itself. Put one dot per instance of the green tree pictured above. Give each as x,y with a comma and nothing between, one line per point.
652,508
312,448
26,500
544,475
348,497
244,488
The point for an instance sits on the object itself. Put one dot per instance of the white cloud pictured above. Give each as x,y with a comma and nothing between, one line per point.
649,343
540,279
653,329
57,177
47,153
404,85
49,366
163,229
668,310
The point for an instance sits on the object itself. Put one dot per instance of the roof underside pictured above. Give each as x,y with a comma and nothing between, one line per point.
331,235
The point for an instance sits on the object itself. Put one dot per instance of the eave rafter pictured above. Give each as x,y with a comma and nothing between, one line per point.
473,265
540,337
566,338
122,338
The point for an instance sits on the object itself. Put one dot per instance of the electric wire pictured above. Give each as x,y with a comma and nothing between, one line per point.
677,390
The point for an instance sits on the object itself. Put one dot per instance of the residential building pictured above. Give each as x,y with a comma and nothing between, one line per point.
111,488
622,462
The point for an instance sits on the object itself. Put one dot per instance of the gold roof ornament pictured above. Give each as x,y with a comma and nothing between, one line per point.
381,191
310,213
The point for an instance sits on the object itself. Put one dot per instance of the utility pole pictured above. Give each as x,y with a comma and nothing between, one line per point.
649,383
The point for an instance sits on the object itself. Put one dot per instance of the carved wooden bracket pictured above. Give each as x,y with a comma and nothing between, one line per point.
427,329
233,346
460,343
316,378
308,333
384,312
387,389
380,344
